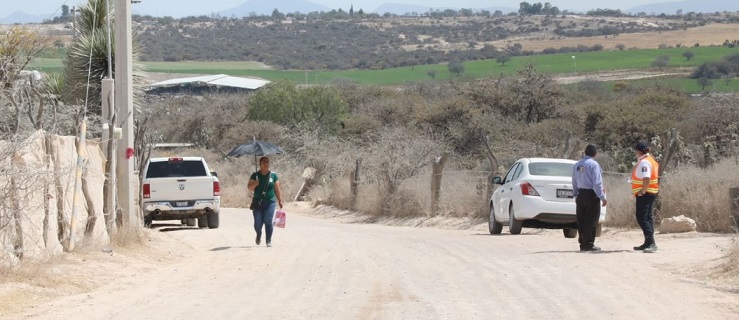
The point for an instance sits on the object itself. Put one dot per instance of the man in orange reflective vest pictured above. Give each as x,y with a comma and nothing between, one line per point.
645,186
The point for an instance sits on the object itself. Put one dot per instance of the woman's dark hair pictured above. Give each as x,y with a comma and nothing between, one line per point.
263,159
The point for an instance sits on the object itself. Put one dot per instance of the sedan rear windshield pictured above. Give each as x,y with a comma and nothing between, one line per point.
551,169
164,169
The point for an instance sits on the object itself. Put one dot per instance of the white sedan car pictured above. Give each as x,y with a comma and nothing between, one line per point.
536,193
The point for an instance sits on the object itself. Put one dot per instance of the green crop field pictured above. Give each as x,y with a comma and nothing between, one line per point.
585,62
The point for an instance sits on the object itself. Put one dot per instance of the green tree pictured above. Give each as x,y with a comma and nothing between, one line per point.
283,103
65,10
688,55
704,82
277,15
432,74
502,59
661,62
456,67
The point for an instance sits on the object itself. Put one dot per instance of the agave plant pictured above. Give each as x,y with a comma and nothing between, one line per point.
86,63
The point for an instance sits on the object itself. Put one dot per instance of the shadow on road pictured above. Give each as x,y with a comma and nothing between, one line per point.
172,227
229,248
504,234
578,251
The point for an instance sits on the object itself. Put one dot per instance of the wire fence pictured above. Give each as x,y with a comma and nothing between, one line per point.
37,187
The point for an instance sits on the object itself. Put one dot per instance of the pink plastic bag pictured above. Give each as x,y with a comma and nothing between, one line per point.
280,219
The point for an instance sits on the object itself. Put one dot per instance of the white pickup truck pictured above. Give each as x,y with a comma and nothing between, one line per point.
181,188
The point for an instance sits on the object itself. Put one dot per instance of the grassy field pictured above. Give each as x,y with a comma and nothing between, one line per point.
586,62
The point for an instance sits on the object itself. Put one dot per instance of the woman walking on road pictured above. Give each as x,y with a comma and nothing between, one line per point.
266,189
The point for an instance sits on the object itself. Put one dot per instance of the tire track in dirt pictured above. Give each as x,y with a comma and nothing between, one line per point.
325,269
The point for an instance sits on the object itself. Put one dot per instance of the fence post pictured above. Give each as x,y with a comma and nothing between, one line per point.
734,205
354,184
436,174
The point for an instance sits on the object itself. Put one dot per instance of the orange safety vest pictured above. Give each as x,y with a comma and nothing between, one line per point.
636,183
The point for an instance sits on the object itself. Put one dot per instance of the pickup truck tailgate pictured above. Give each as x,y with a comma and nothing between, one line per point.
181,188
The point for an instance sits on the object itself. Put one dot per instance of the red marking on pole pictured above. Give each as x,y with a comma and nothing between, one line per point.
129,153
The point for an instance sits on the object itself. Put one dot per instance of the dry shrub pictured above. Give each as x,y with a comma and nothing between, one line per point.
621,205
233,173
462,193
701,194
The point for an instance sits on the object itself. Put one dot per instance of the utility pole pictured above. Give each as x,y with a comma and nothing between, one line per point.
109,136
74,23
128,214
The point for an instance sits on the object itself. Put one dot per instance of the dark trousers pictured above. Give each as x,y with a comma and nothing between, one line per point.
644,213
588,213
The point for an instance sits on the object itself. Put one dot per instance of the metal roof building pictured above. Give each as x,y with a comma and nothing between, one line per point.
207,83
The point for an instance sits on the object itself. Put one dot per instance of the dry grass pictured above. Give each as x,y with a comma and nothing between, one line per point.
731,266
621,207
709,35
700,194
233,173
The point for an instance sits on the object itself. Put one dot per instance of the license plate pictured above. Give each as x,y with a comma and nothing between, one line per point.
564,193
181,203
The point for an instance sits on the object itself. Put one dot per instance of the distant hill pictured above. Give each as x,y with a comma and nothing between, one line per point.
703,6
22,17
401,8
265,7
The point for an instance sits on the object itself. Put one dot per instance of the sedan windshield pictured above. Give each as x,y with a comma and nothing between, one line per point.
551,169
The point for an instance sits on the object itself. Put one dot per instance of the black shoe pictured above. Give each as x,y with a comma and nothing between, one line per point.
259,239
641,247
651,249
593,248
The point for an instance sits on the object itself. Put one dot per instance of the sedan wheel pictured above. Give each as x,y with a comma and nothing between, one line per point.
493,226
570,233
514,226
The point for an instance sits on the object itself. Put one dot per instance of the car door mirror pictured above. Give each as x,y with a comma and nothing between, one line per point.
213,173
497,180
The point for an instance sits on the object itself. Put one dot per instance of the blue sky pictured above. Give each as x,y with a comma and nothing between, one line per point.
178,8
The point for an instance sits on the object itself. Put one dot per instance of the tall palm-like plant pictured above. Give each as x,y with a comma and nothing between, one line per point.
86,63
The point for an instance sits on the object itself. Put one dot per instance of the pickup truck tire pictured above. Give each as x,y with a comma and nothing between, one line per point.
192,222
202,222
147,221
183,221
213,220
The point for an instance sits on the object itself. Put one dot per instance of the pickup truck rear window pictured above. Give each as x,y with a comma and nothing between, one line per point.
166,169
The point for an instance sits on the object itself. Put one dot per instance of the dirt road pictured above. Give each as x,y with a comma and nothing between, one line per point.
324,269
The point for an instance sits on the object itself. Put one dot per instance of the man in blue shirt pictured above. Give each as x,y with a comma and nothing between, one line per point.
587,185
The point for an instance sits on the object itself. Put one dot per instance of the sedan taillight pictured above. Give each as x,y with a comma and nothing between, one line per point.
528,190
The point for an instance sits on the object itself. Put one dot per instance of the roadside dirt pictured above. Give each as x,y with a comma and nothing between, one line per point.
325,265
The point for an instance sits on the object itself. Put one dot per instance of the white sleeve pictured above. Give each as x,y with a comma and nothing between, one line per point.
644,169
